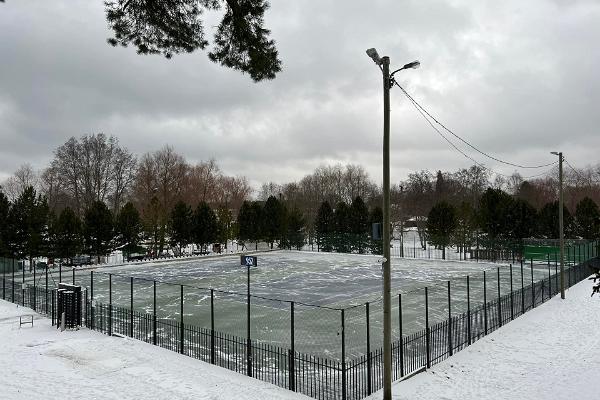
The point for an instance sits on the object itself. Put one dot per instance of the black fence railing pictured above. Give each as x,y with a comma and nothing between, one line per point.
323,352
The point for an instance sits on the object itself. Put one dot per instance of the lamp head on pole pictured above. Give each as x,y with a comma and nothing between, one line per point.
372,52
413,65
554,152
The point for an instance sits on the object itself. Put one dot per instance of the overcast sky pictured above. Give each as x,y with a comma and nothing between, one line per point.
516,78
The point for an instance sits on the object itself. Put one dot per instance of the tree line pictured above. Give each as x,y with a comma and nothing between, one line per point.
501,218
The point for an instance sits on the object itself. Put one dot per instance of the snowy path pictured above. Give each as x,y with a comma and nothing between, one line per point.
43,363
552,352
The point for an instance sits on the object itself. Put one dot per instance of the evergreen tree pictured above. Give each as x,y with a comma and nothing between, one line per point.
225,226
249,222
295,230
98,229
342,228
241,41
523,218
494,213
359,224
129,227
181,225
28,221
587,219
376,217
68,235
204,229
548,221
273,220
441,223
325,226
4,225
466,224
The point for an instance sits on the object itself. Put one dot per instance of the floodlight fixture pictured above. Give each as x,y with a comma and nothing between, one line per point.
372,52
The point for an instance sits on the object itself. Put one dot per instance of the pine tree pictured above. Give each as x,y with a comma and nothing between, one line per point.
204,229
224,226
587,219
181,225
441,223
68,234
4,225
325,226
523,218
295,229
342,228
548,225
359,224
129,228
28,219
376,217
494,213
98,229
273,218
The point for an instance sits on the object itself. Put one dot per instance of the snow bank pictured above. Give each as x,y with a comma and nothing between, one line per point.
40,362
551,352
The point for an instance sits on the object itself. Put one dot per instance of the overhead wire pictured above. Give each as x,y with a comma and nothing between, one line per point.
427,117
420,107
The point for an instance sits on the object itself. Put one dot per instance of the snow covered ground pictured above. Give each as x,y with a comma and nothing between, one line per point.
40,362
552,352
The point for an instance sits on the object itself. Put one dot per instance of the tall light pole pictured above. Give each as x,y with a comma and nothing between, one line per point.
384,64
560,223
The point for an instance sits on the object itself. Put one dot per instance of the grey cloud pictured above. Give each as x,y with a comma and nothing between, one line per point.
517,79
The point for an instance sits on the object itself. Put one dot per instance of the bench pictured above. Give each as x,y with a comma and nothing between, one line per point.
25,319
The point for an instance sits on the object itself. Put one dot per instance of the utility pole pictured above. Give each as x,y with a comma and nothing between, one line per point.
384,64
561,225
387,315
560,222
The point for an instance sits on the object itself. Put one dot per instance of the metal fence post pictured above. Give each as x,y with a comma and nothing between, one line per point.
73,276
368,349
292,352
485,305
343,357
468,311
532,287
23,285
154,338
34,288
212,326
109,304
499,302
131,306
46,292
427,338
549,282
248,339
556,272
13,281
181,340
59,272
401,334
449,321
512,301
522,291
92,322
3,280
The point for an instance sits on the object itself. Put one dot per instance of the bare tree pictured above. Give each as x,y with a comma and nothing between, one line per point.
22,178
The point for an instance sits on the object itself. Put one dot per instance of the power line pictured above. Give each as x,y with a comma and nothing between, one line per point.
420,107
424,114
589,180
